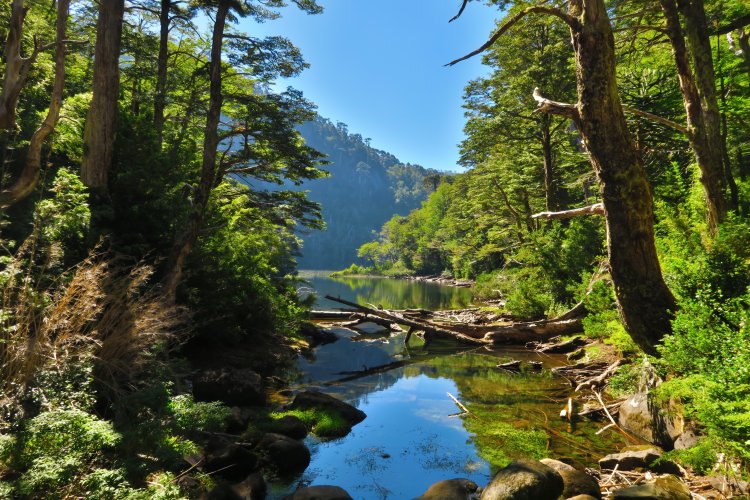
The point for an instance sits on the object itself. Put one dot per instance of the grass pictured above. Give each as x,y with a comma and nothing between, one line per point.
322,423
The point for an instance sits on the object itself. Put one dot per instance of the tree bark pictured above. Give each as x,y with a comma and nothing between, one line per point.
27,181
645,303
744,43
161,70
699,96
101,120
16,66
550,189
185,242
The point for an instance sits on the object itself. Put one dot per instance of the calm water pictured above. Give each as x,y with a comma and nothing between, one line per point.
387,292
412,436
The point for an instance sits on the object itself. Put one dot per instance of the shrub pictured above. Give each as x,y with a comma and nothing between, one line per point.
193,416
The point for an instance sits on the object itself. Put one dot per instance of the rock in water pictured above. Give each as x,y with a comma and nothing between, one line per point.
284,454
237,387
314,399
320,493
661,488
639,458
228,460
450,489
524,480
576,481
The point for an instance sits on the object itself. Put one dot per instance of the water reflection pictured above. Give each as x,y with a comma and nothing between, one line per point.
412,437
386,292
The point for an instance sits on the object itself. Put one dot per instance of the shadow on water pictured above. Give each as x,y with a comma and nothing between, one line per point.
414,434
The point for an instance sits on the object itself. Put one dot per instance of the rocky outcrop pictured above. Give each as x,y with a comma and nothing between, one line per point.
576,482
524,480
252,488
233,386
643,417
320,493
661,488
284,454
450,489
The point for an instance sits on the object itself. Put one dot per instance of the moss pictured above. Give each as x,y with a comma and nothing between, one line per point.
321,422
500,442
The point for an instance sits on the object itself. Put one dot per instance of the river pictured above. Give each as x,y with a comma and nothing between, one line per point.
414,434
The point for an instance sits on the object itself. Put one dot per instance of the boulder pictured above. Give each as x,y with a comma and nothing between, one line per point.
233,386
576,481
314,399
641,416
228,460
640,458
687,439
524,479
320,493
661,488
252,488
450,489
290,426
286,455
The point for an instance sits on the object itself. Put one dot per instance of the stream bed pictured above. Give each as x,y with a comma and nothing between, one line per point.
414,433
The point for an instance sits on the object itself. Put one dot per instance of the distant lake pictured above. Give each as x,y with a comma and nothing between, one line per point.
389,293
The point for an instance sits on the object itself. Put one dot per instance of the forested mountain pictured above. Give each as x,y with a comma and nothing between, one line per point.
366,187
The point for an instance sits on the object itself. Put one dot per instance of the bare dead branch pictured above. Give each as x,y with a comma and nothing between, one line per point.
460,11
571,21
595,209
556,108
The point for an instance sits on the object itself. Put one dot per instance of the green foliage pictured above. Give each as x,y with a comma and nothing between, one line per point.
190,415
319,421
353,270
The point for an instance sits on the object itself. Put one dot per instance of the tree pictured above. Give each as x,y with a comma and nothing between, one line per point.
101,120
223,10
645,302
29,177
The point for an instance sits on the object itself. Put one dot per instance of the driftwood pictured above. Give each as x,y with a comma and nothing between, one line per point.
514,333
598,381
426,326
331,314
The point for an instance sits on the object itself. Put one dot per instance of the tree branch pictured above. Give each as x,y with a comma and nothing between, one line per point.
595,209
556,108
658,119
460,11
740,22
537,9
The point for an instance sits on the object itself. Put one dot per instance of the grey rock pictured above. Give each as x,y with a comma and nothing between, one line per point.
576,482
233,386
252,488
687,439
661,488
524,480
450,489
643,417
640,458
320,493
284,454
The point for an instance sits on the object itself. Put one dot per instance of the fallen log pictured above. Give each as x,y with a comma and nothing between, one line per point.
330,314
429,328
515,333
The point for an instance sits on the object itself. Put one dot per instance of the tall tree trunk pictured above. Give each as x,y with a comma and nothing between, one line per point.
550,189
185,242
160,97
27,181
101,120
645,302
699,96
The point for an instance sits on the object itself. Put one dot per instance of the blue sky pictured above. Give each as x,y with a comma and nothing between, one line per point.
377,65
